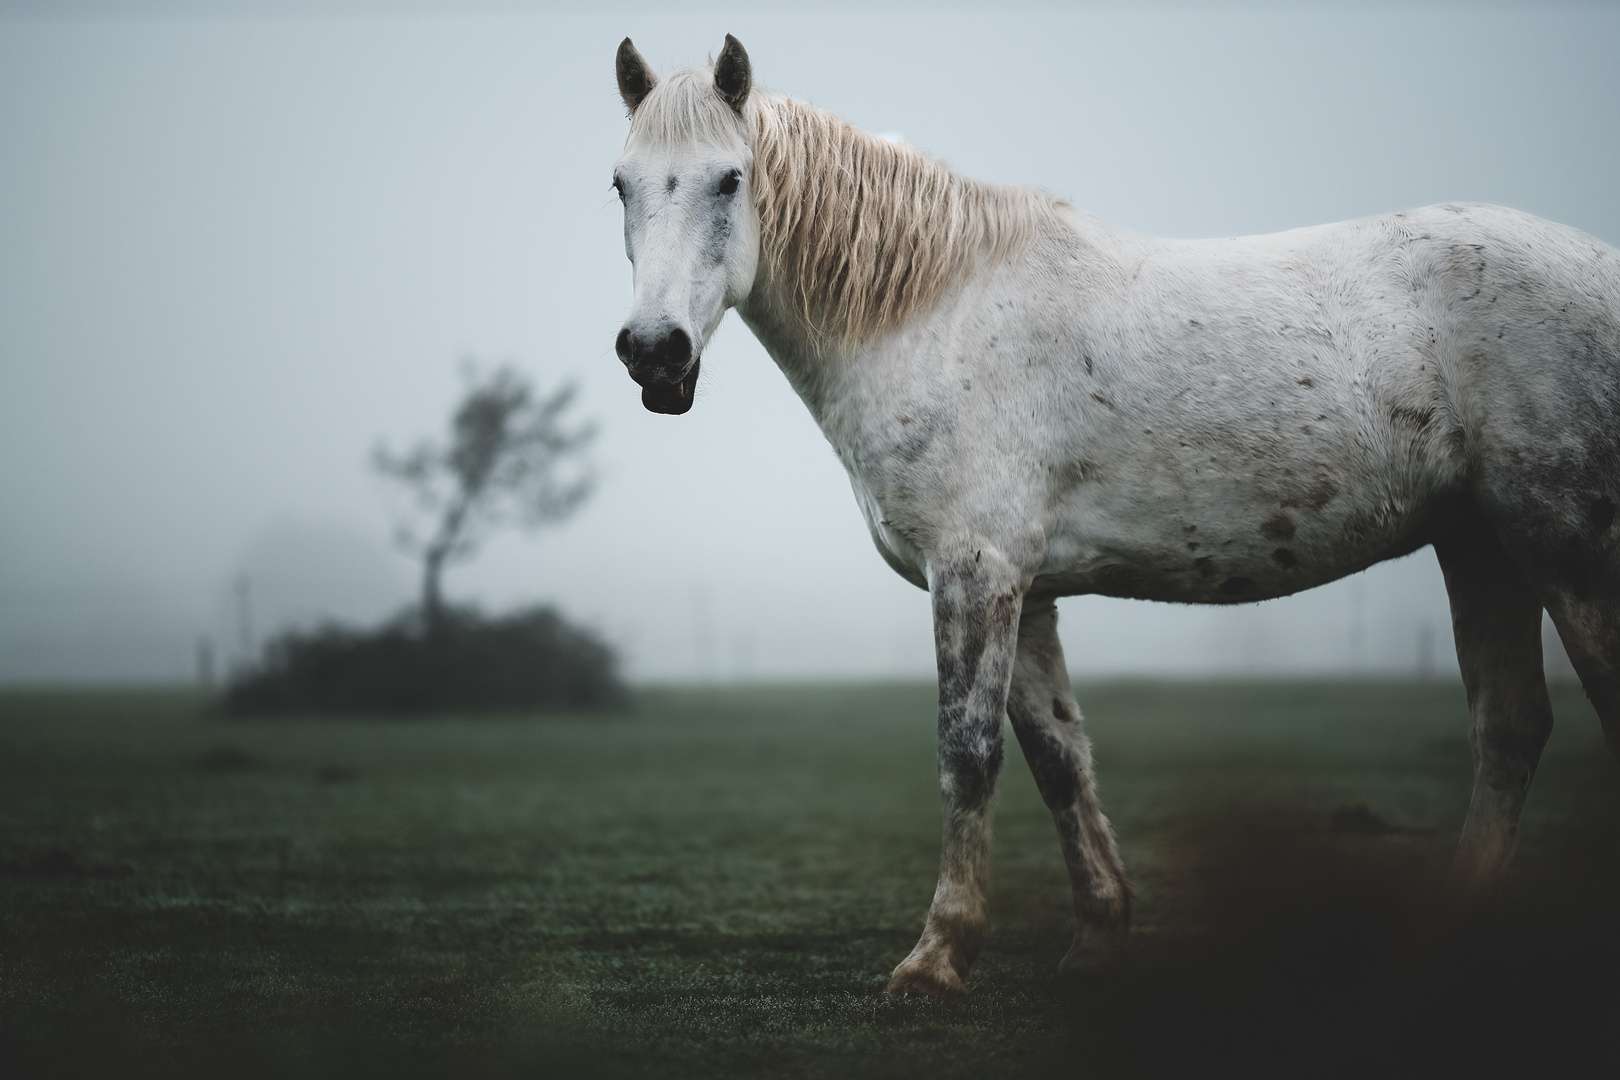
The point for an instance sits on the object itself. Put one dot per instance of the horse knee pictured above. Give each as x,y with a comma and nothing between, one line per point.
968,768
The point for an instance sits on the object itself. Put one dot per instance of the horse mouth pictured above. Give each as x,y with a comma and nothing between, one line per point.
673,398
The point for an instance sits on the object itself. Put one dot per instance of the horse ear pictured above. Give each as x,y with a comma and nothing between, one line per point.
636,79
733,76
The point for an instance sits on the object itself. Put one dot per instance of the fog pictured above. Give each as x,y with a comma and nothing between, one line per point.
235,253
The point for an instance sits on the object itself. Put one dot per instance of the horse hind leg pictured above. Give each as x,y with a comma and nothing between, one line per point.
1496,617
1586,612
1047,723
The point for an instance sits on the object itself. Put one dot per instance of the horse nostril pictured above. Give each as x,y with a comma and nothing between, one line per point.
622,345
676,349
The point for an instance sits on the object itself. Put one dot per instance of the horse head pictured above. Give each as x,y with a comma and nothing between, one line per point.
690,228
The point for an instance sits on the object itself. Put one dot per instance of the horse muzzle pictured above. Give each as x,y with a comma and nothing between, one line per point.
665,368
672,398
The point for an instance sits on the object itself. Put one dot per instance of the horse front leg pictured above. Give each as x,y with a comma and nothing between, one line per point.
976,599
1049,728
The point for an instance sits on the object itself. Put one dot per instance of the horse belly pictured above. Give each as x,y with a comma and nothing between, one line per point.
1181,524
1192,558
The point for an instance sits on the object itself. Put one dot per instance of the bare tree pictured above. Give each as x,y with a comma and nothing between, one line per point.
510,460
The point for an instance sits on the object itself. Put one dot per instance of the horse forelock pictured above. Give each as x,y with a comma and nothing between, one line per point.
685,107
863,232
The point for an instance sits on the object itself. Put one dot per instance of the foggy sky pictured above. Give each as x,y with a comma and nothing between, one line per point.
237,253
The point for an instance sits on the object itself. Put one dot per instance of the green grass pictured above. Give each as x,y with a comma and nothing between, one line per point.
718,883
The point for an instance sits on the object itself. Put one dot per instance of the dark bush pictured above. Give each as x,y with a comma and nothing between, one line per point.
531,659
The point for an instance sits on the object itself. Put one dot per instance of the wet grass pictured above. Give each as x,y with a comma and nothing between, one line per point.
717,883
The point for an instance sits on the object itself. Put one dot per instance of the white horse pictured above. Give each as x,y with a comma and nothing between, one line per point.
1032,403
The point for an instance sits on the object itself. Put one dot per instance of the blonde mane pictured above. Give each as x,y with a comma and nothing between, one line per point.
864,232
860,232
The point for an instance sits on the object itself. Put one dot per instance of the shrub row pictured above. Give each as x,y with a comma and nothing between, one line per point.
530,659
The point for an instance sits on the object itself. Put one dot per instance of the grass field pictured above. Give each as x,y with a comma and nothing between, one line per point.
717,883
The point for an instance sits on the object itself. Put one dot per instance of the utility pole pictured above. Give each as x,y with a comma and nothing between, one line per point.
705,635
205,665
1358,624
244,623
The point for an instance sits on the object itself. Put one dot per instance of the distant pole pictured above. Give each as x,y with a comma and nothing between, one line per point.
705,637
742,657
1358,624
205,665
244,621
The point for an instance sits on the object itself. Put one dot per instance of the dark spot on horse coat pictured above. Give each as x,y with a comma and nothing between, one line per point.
1418,419
1103,399
913,445
1278,526
1321,492
1070,473
1307,382
1284,558
1236,586
1059,712
915,435
720,238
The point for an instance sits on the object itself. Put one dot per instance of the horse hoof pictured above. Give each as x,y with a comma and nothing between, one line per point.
924,980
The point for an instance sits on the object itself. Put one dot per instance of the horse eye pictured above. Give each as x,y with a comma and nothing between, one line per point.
728,186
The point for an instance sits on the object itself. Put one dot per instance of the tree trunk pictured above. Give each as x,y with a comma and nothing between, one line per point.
432,600
433,560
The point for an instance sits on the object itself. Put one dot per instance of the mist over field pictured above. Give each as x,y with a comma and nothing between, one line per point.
236,252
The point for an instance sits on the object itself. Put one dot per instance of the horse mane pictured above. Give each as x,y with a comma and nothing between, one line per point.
865,232
861,232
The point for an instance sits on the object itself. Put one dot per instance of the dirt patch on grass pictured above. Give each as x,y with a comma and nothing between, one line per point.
1290,946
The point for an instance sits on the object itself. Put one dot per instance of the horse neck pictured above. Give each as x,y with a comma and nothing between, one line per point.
815,364
859,237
